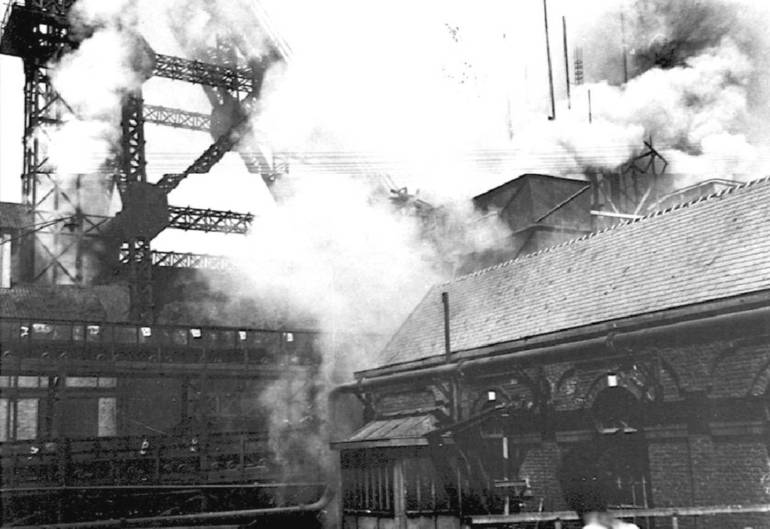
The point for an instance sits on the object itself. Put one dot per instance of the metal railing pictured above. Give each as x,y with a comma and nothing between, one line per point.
673,513
136,460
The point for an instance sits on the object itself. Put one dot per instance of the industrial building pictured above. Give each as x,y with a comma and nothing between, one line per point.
641,348
120,395
623,319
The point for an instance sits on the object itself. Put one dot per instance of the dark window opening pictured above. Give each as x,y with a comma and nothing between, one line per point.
622,457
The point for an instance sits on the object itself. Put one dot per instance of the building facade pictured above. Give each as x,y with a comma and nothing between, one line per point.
639,352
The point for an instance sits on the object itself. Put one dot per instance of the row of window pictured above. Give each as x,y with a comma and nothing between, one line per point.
23,412
95,333
28,382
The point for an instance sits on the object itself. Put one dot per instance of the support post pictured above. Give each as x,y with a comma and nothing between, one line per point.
399,495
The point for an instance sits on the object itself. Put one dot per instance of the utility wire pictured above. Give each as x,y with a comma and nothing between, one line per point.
37,227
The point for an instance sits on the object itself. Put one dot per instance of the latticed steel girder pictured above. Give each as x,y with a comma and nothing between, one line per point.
177,118
133,162
209,220
210,157
184,260
139,260
198,72
59,8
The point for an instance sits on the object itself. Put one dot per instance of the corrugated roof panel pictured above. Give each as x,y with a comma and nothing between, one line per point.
413,427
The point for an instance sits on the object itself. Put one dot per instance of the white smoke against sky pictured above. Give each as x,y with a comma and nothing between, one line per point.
707,108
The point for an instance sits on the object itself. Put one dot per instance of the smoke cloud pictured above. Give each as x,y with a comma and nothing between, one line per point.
698,82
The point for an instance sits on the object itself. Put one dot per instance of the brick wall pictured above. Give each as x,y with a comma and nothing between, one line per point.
540,467
699,382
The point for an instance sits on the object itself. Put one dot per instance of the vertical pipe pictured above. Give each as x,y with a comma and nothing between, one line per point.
507,506
454,391
447,343
548,56
399,495
566,61
590,110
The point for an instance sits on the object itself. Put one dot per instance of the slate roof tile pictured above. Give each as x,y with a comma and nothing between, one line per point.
712,248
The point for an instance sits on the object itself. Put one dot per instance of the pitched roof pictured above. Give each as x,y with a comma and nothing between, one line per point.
393,431
712,248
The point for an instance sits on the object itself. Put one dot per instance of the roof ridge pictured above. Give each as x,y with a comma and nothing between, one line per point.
618,225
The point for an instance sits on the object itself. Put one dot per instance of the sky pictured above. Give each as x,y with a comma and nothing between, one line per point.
418,81
528,80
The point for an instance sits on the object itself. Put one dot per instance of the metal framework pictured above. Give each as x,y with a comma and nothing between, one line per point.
63,224
209,220
38,32
208,159
177,118
198,72
627,192
140,277
184,260
133,163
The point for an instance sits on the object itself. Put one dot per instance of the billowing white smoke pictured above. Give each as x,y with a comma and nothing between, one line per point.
698,82
92,81
697,113
339,252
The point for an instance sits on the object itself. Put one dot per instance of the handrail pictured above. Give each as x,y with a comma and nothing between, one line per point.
158,521
557,516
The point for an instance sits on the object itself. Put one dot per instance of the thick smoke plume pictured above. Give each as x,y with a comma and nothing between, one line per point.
697,82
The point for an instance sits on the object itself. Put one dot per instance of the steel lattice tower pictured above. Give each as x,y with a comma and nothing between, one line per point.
67,225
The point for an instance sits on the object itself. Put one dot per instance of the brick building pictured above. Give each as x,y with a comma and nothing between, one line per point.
642,348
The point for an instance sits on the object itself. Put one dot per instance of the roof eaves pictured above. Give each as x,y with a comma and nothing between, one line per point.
669,315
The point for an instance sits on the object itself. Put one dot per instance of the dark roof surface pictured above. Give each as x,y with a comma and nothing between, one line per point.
394,431
713,248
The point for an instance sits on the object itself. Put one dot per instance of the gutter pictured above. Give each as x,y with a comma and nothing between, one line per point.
617,341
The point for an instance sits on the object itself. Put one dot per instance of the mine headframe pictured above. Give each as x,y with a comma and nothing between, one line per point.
40,33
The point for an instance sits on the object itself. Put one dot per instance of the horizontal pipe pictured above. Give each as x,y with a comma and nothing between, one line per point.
607,339
165,521
70,488
710,510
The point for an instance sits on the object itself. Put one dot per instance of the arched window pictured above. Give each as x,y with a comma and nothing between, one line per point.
622,456
616,410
